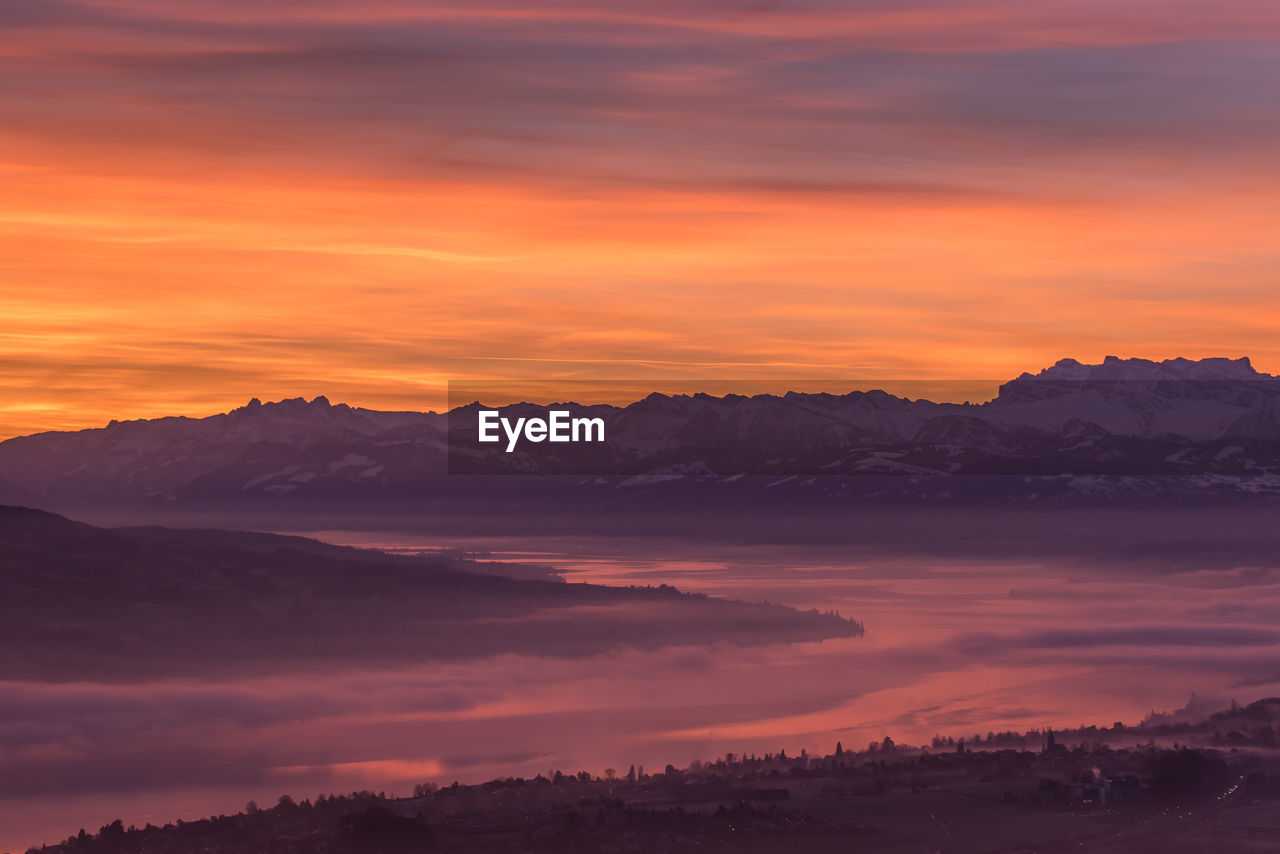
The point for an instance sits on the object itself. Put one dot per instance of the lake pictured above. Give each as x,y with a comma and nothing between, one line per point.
951,647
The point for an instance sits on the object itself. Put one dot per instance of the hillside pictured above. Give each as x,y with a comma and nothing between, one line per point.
120,604
1111,789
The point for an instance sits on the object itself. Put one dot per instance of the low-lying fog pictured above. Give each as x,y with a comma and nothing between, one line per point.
952,647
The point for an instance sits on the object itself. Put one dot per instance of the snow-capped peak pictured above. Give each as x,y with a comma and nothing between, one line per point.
1146,370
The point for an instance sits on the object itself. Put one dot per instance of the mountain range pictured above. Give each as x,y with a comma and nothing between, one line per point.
1208,426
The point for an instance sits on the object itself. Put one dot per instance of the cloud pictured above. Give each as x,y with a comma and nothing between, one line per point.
1197,637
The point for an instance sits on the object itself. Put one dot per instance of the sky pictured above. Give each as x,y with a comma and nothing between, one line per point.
204,202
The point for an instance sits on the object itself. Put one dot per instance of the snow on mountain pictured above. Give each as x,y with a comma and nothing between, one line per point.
1212,417
1200,400
1113,368
162,456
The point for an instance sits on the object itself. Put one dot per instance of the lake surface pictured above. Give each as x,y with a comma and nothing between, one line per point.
952,648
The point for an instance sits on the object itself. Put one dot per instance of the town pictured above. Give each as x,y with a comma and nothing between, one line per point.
1212,785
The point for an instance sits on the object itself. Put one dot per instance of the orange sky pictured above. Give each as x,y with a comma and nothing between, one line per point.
202,203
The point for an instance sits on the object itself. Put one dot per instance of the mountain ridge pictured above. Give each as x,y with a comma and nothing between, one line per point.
1210,418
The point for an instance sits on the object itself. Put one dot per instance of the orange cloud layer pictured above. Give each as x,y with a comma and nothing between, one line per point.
204,204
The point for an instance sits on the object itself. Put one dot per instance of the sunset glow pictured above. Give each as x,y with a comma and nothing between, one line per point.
204,203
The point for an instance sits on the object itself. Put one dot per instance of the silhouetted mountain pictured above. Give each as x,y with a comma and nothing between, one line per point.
83,602
1126,427
289,442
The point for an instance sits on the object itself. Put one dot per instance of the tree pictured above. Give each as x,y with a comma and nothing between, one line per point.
839,750
1186,772
251,807
378,828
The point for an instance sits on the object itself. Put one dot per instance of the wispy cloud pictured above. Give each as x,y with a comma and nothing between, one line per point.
953,188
